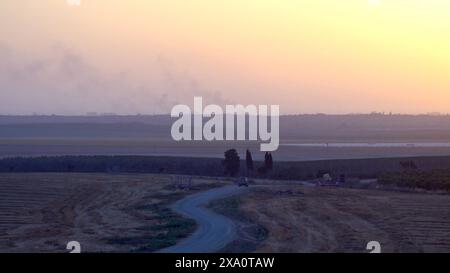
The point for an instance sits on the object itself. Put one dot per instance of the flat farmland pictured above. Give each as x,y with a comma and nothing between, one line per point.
41,212
26,147
315,219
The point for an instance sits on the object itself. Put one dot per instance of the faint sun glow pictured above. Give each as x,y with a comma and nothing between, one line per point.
374,3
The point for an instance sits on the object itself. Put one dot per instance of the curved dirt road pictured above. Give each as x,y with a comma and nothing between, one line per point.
214,231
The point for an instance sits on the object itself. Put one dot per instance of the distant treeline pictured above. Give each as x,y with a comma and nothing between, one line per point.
113,164
363,168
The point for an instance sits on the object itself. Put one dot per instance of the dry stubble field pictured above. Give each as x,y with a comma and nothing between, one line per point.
41,212
317,219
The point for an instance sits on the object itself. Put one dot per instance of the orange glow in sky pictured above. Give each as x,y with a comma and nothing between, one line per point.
308,56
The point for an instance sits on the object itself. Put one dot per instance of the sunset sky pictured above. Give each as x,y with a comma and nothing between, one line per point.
144,56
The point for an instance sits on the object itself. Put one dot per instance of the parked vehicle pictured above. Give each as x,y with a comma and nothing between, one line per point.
243,182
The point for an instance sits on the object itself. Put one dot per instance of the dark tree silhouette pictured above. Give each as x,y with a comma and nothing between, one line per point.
268,161
249,160
231,162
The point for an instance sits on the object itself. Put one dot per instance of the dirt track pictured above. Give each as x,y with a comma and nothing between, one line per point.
214,231
105,213
111,213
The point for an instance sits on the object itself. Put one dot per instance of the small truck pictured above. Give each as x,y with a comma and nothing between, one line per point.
242,182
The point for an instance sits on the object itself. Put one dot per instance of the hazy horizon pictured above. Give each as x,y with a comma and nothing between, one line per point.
94,114
130,57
